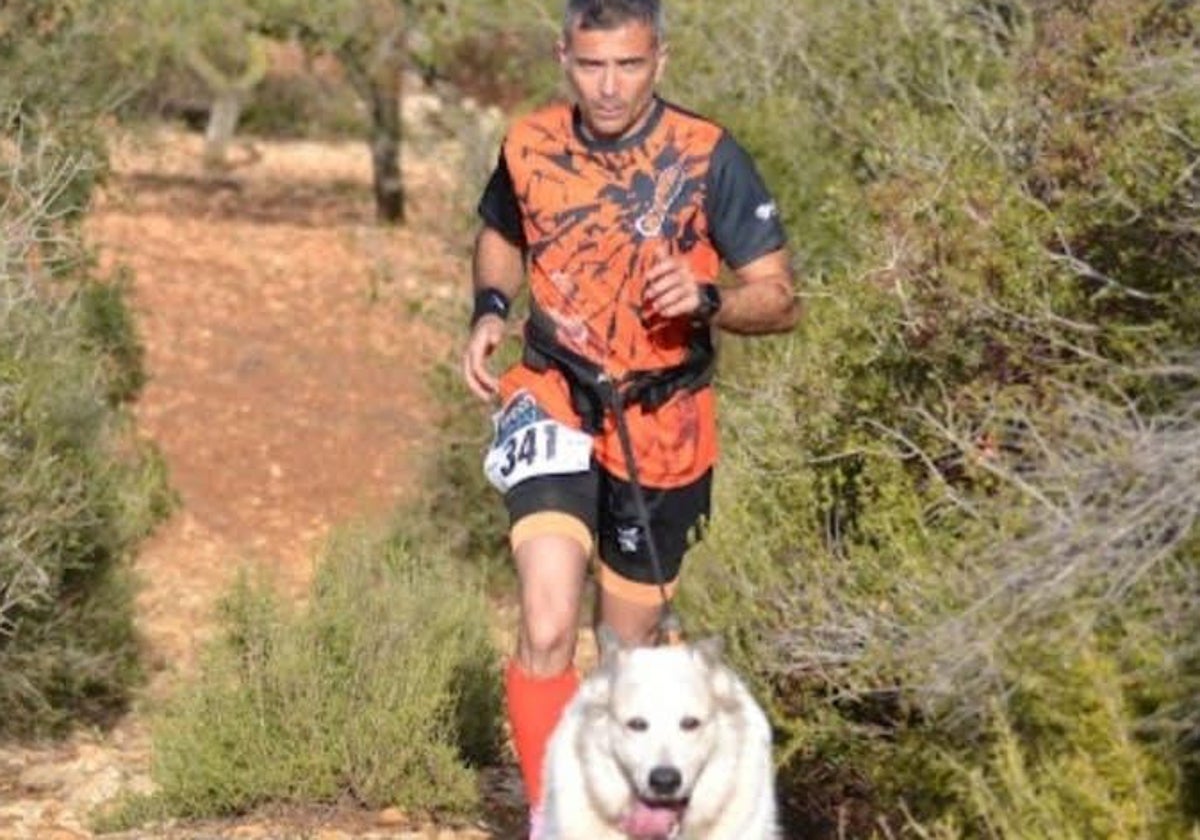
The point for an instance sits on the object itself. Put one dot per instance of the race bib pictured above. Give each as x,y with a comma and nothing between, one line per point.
528,443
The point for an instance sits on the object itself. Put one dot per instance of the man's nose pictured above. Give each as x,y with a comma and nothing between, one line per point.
608,82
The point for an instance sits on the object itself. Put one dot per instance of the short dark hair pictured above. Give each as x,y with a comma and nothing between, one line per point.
609,14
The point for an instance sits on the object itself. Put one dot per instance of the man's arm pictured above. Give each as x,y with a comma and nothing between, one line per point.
497,264
761,302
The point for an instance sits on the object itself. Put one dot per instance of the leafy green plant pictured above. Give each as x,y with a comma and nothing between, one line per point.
77,491
383,689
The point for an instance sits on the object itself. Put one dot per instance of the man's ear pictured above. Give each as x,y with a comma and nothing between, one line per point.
664,53
560,53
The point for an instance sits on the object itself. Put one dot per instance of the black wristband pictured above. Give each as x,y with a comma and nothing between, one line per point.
490,302
710,302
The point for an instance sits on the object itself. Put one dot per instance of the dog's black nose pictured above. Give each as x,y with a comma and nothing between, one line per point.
665,781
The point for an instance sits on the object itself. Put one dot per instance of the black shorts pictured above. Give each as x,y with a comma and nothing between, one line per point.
604,503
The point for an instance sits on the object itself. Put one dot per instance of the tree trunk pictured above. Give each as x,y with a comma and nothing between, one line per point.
386,132
229,92
222,123
376,76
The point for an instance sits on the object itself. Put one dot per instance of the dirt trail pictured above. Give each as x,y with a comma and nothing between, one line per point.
286,373
286,343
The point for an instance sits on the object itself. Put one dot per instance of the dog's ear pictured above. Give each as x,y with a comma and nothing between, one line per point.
595,692
711,650
609,644
597,689
724,687
724,683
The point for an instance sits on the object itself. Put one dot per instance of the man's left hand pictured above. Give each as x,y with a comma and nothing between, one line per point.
672,290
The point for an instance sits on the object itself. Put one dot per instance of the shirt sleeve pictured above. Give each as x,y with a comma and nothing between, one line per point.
498,206
743,219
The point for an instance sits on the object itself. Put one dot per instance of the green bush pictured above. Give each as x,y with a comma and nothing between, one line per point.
1014,227
1087,770
384,688
303,105
77,492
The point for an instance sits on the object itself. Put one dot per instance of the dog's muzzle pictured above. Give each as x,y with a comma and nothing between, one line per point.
654,820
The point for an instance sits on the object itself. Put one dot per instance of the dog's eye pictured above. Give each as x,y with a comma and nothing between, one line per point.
637,724
689,724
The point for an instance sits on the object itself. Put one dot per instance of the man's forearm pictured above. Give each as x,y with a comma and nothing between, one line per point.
758,308
497,264
763,301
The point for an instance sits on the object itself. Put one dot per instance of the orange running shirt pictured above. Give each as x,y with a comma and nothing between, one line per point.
591,217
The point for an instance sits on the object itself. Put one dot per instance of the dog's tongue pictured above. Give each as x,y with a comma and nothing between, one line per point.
651,822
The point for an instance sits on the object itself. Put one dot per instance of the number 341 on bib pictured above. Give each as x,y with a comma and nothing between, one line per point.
528,443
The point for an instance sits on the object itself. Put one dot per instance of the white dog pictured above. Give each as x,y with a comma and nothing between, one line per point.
661,742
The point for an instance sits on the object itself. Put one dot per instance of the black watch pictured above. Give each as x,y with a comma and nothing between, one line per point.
710,302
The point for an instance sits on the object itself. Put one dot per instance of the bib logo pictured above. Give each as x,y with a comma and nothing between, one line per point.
667,187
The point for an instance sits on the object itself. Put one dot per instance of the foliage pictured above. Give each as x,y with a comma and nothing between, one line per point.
468,509
995,211
69,56
385,689
955,544
958,500
76,491
1088,773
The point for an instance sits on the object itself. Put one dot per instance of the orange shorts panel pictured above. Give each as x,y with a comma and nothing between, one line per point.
550,522
644,594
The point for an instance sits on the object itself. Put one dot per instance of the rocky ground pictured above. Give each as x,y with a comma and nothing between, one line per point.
287,341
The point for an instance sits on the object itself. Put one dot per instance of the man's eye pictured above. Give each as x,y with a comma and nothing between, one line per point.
637,724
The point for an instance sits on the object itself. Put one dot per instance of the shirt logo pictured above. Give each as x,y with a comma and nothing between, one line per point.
627,539
666,189
765,212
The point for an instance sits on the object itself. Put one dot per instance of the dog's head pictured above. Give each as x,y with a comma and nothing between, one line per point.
660,709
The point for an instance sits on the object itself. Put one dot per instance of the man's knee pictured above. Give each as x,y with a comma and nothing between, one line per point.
551,564
547,644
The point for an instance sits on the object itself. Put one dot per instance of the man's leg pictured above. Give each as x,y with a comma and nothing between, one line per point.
631,609
631,600
552,552
551,570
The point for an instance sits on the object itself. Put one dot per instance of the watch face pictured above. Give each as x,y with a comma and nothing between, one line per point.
710,300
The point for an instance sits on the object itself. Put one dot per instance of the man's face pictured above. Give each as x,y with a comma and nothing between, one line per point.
612,73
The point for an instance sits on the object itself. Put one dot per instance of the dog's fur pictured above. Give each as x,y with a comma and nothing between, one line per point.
679,713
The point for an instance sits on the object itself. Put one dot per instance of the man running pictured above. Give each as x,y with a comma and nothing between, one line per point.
620,209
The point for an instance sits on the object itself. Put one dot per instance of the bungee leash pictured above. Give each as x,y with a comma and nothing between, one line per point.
594,393
669,628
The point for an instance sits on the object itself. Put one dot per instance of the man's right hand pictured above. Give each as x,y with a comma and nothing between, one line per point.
485,338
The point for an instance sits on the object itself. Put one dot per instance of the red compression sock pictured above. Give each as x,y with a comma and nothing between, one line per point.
534,706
